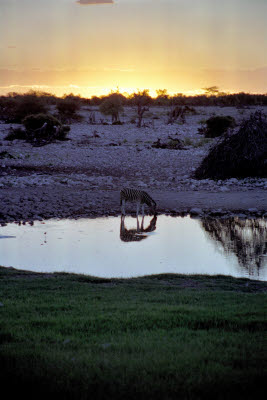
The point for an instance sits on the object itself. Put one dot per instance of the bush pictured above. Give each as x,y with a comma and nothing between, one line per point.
32,122
217,126
241,155
16,133
112,106
53,130
68,107
171,144
41,129
7,104
18,108
5,154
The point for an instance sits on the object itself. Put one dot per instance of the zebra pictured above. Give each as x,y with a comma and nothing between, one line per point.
138,196
130,235
136,235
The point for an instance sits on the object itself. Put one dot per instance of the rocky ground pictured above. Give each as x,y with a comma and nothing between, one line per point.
83,176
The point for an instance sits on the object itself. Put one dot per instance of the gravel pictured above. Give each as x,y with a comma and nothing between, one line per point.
83,176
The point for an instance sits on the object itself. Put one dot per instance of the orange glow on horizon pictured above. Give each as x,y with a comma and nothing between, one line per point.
89,93
182,46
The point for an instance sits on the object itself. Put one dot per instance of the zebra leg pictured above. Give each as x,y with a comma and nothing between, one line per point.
123,207
137,209
142,224
138,229
122,225
143,210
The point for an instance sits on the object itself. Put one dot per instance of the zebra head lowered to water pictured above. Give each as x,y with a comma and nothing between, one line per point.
140,197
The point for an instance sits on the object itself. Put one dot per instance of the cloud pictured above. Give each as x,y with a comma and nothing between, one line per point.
91,2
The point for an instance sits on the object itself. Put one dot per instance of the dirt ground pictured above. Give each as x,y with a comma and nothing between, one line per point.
82,177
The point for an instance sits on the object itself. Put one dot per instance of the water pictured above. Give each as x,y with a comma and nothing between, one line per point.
103,248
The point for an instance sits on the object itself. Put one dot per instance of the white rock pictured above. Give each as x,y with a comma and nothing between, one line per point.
224,189
233,180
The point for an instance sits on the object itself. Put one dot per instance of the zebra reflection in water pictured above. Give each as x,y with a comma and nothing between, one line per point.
136,235
141,198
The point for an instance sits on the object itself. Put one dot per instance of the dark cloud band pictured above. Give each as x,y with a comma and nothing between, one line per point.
91,2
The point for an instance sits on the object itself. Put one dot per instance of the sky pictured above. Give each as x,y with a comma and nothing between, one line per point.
91,47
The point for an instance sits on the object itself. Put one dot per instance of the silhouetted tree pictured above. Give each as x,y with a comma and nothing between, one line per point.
112,105
23,105
142,100
162,98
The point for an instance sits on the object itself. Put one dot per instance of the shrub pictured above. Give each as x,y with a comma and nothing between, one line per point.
175,144
16,133
217,126
68,107
171,144
24,105
40,128
241,155
141,100
5,154
32,122
7,105
188,142
112,106
117,123
201,142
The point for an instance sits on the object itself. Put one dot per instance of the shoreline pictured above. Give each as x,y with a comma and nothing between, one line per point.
186,281
61,203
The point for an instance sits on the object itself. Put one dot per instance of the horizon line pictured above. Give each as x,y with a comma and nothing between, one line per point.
37,89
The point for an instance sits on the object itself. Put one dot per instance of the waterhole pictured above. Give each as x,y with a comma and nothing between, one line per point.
111,247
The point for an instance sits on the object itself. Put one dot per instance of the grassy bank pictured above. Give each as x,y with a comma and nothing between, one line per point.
167,336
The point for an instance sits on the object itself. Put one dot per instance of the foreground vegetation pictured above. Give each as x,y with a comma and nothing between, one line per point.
166,336
240,155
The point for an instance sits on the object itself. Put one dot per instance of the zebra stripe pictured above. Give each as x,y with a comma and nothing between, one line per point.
141,197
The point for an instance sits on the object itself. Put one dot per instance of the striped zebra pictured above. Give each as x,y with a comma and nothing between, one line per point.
140,197
136,235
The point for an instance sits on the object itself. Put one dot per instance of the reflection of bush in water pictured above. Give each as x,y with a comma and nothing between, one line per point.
247,239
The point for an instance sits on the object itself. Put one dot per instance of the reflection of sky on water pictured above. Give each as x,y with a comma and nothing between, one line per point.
93,247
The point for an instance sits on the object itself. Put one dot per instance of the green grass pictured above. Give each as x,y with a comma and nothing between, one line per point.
159,337
196,143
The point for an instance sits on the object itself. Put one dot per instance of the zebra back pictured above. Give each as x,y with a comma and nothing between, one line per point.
128,194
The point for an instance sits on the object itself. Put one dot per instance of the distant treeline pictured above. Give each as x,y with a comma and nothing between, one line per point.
212,97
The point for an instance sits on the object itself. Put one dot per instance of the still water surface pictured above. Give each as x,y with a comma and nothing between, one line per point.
105,247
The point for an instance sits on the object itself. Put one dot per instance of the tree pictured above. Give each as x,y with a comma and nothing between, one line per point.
212,91
68,107
141,99
112,105
162,97
24,105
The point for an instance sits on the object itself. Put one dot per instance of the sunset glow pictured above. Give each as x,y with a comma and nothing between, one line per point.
91,47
